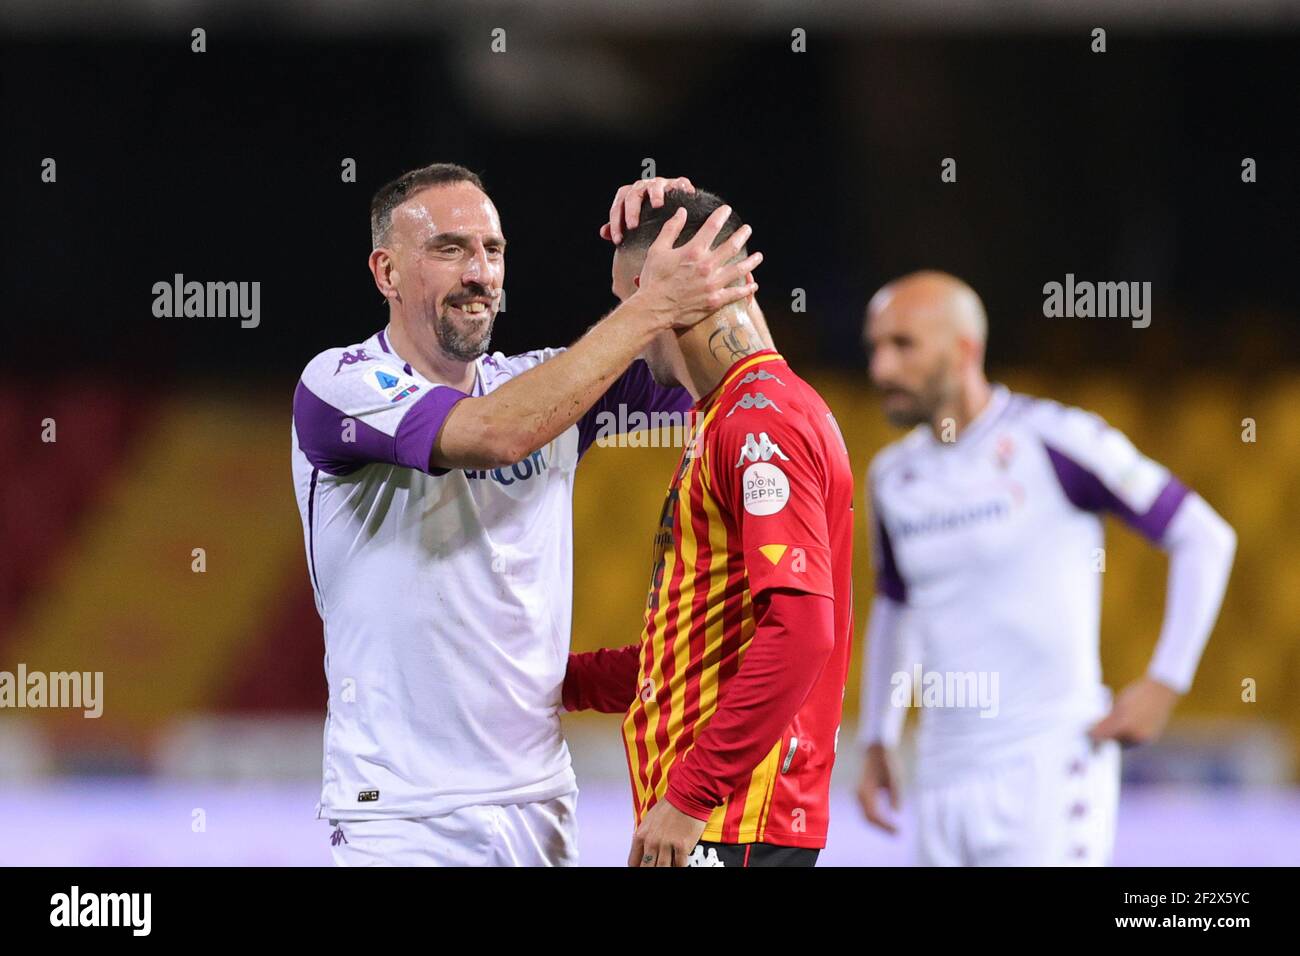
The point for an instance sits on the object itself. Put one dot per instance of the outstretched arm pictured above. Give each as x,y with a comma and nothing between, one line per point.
679,287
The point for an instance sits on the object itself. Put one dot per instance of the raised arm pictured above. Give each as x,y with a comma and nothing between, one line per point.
679,287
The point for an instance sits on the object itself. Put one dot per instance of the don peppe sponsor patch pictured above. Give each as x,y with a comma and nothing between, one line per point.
765,487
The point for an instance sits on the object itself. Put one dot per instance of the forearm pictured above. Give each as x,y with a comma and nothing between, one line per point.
528,411
1201,546
792,642
603,680
879,721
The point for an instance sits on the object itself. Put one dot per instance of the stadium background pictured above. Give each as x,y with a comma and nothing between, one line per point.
172,434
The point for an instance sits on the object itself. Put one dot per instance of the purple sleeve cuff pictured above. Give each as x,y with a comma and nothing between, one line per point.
419,429
339,444
637,391
1087,492
333,441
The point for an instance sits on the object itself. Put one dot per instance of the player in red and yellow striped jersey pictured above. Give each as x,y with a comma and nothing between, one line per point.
733,696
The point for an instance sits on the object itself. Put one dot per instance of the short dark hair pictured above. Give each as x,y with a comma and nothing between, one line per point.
393,194
699,206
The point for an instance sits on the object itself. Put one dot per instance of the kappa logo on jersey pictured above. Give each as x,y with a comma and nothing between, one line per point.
762,375
753,400
352,359
699,858
759,449
392,386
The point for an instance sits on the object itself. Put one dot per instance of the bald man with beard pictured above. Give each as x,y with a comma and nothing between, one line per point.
988,537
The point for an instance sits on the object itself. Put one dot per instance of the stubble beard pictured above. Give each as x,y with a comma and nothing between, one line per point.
464,345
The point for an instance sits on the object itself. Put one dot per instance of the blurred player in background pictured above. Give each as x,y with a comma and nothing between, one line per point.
732,698
987,521
435,486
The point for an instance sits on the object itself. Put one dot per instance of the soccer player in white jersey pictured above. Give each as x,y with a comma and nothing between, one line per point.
435,485
987,521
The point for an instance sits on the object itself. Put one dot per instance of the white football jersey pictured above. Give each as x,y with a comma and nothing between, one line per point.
993,546
446,595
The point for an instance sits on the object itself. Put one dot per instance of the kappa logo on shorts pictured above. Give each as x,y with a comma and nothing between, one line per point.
337,837
759,449
698,857
367,796
753,400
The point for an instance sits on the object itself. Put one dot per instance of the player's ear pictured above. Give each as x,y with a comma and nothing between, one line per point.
383,272
636,280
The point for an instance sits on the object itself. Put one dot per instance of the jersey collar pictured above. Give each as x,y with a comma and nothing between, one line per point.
382,336
477,389
737,369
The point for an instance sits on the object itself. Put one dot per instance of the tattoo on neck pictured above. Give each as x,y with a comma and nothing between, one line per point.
732,344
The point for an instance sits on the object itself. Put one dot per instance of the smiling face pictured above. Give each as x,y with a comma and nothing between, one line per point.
446,265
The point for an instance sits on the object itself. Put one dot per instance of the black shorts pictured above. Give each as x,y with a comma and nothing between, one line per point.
751,854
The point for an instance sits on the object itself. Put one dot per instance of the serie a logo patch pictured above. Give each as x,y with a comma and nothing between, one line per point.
367,796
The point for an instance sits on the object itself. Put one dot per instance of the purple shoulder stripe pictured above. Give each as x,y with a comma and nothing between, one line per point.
637,391
322,436
1088,493
338,444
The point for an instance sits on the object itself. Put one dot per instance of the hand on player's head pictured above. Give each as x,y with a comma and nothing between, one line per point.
625,211
694,280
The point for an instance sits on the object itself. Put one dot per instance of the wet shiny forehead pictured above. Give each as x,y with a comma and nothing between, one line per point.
451,208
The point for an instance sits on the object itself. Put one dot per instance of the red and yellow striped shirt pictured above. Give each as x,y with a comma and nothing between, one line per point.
762,498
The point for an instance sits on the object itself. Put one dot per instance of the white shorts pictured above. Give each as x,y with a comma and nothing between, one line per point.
523,834
1052,804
